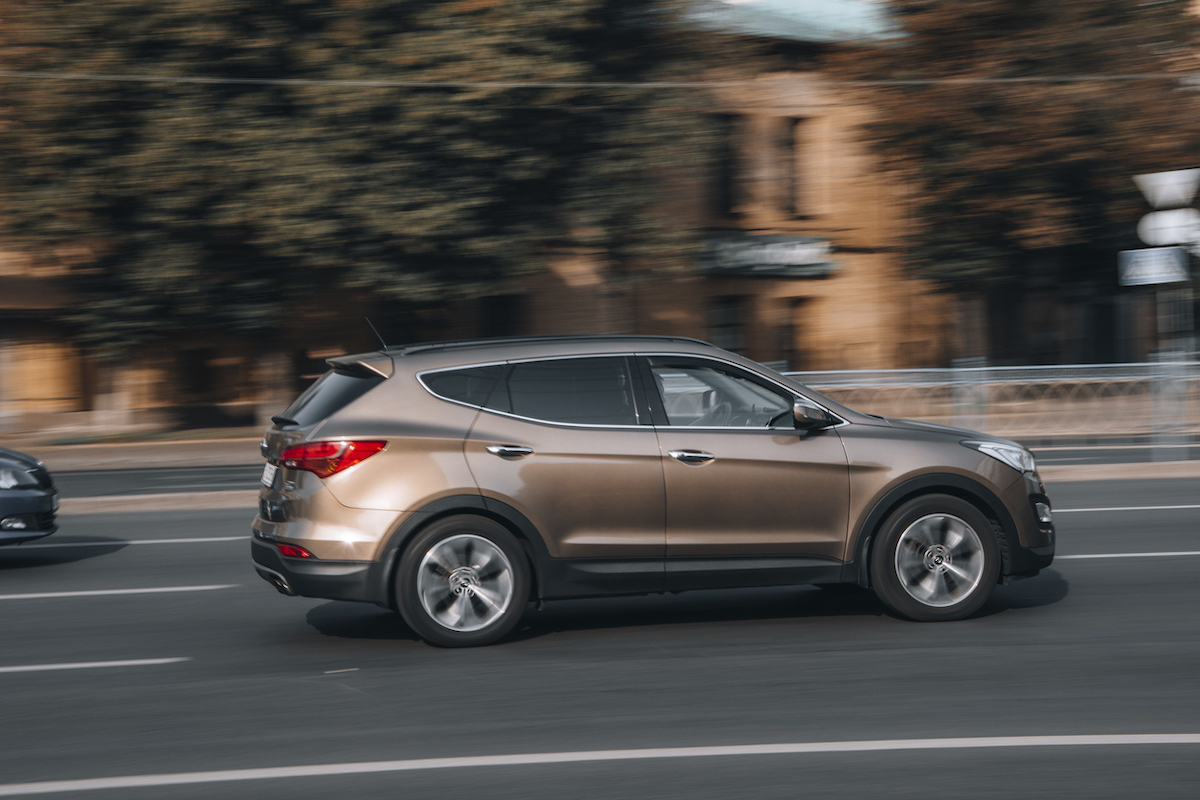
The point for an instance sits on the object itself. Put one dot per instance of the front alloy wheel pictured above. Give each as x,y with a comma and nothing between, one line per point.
463,581
936,558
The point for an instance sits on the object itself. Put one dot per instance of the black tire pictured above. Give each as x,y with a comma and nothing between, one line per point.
935,559
462,582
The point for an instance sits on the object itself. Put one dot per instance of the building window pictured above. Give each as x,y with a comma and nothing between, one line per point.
727,323
788,144
726,164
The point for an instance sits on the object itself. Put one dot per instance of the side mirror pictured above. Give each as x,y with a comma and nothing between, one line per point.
809,418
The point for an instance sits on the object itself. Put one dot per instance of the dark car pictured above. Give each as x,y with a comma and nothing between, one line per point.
28,498
455,482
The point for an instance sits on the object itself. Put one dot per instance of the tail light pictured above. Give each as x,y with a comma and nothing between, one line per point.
328,458
292,551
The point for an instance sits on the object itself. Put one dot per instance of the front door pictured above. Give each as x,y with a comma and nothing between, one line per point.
748,496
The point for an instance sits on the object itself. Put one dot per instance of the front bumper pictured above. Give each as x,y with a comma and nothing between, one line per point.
1032,549
33,509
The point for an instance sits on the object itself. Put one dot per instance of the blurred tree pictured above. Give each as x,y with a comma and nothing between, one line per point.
1021,134
248,208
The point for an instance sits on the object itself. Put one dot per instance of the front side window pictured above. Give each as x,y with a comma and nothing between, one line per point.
589,391
703,394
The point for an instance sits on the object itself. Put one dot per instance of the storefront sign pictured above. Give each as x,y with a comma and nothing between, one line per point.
770,256
1153,265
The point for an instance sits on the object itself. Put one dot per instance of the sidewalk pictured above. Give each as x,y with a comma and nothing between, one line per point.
147,455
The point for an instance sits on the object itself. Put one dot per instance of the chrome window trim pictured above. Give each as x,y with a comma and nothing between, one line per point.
586,425
841,421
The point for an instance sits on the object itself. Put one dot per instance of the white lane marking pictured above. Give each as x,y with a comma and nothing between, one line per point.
336,671
528,759
106,592
138,662
1123,508
113,542
1134,555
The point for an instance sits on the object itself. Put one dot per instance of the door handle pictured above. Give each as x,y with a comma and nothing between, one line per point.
692,456
509,450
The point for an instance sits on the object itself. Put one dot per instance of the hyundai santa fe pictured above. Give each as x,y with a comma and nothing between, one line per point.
458,482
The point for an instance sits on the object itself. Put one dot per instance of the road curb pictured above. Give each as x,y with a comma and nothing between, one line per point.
175,501
149,455
1120,472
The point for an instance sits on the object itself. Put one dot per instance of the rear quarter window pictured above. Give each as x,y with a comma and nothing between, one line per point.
472,385
332,392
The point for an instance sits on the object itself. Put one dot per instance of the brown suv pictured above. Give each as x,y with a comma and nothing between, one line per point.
457,482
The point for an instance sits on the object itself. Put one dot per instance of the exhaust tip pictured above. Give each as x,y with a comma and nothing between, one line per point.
278,581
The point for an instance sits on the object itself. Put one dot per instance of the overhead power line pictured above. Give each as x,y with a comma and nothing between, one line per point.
1189,77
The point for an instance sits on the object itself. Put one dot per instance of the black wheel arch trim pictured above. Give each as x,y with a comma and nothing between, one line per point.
503,513
973,492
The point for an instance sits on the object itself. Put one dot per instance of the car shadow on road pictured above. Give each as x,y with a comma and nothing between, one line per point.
760,604
39,554
1047,588
358,621
702,606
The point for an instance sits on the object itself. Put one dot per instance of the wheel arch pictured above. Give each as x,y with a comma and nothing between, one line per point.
964,489
516,523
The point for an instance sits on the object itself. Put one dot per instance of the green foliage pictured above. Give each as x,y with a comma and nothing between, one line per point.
221,206
1011,159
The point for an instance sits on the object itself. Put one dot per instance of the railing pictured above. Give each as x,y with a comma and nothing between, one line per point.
1156,402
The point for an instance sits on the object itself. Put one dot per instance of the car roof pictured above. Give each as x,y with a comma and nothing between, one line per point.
536,345
438,354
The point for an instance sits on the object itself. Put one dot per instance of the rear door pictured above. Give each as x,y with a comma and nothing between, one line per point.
562,441
749,498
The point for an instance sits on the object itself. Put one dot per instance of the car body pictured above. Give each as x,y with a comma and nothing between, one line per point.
455,482
28,498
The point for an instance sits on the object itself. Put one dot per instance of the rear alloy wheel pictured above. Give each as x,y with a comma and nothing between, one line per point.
936,559
462,582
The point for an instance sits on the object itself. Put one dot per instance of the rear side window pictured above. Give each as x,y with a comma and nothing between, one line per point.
592,391
332,392
472,386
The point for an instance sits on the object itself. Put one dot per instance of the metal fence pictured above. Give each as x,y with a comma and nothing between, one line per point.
1154,403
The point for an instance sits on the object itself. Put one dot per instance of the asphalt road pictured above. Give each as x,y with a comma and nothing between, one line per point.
1093,646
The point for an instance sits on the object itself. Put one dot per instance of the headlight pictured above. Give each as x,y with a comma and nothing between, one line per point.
16,479
1013,455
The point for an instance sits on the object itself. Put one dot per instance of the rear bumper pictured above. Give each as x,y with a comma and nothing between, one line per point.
356,581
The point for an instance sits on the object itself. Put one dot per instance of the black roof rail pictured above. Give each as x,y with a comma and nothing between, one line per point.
406,349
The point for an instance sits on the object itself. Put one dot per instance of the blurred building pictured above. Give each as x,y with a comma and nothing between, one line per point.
40,369
804,229
804,236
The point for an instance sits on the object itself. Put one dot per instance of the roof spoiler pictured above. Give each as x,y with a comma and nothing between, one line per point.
363,365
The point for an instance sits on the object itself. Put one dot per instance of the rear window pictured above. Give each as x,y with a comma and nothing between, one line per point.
332,392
